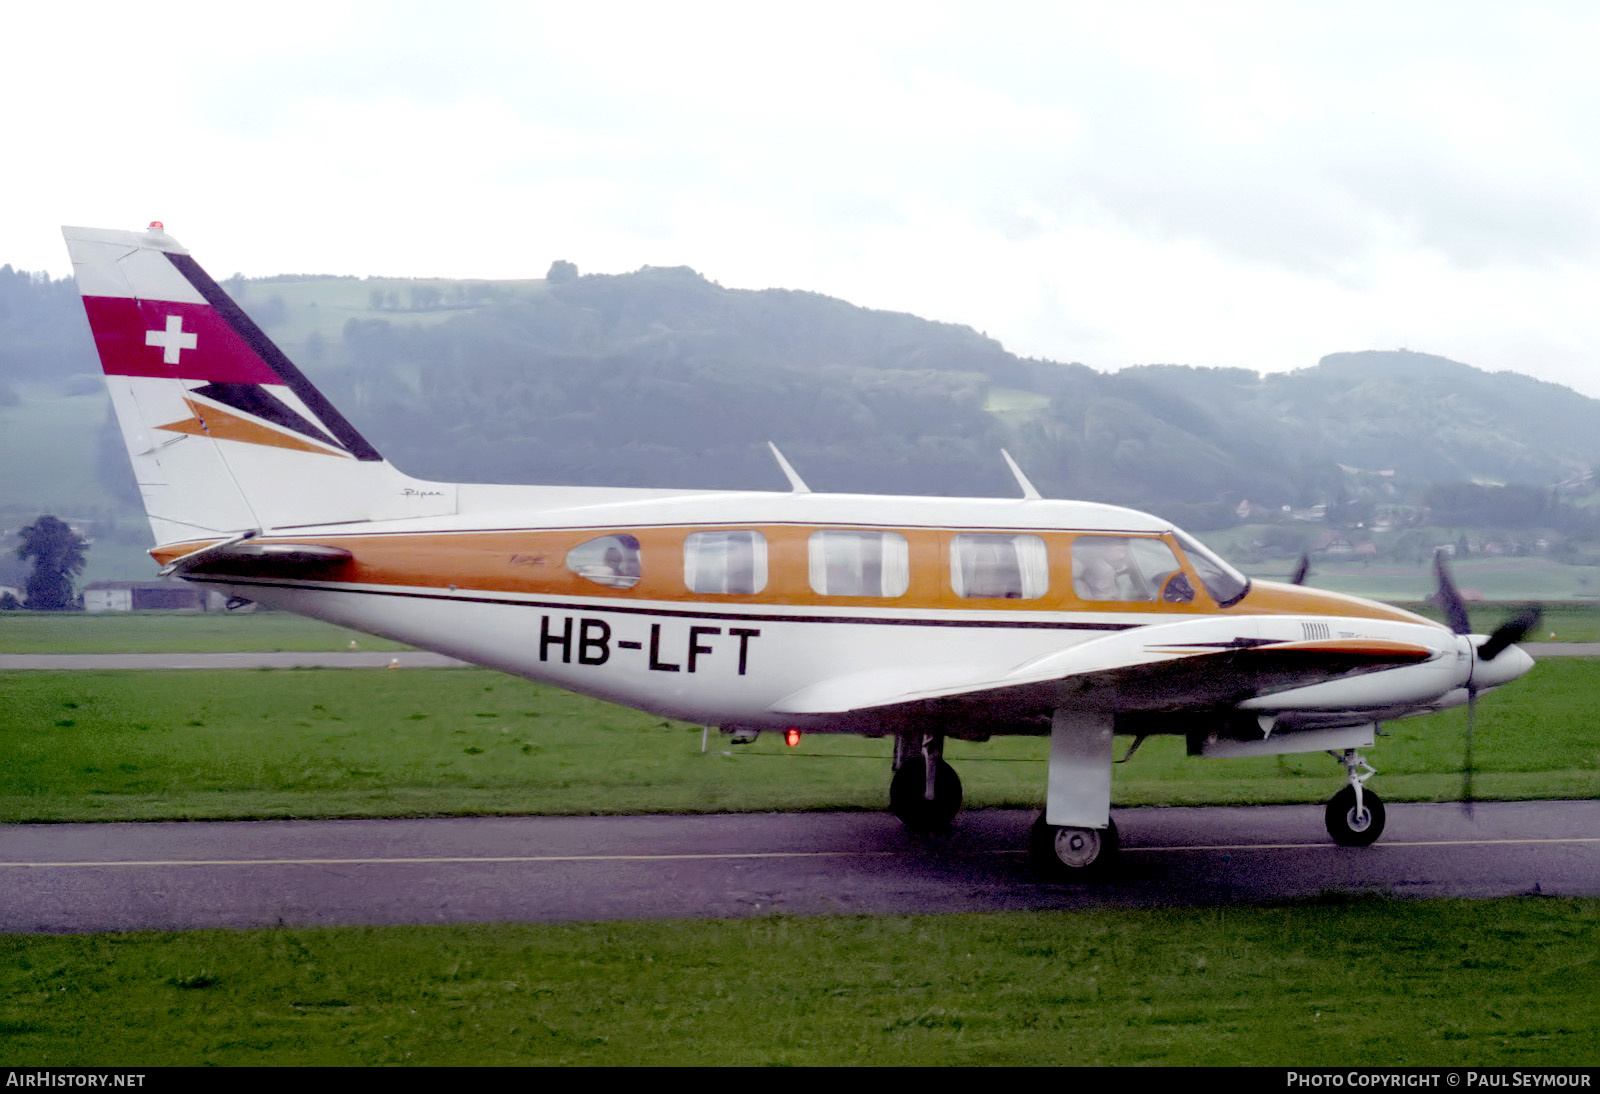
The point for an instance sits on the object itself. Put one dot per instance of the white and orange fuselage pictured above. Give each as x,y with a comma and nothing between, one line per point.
919,617
497,590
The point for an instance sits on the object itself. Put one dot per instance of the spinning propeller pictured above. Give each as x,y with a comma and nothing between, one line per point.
1505,635
1303,570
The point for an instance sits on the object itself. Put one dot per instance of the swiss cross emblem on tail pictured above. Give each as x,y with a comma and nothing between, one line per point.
173,341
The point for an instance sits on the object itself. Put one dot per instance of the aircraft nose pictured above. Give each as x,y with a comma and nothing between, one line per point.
1511,663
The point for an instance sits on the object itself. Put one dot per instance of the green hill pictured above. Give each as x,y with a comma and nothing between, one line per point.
662,377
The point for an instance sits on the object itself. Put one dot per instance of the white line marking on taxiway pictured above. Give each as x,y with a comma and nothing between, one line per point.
515,859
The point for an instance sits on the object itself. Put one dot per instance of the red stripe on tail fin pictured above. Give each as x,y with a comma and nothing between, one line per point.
173,341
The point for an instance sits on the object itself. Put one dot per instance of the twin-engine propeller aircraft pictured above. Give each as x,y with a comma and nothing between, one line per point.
916,618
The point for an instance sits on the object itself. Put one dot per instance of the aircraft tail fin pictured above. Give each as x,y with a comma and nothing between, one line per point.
225,433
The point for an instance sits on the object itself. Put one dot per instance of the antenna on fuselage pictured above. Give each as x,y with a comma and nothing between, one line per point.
1028,492
796,483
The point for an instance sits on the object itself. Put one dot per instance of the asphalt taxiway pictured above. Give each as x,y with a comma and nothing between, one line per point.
105,877
111,877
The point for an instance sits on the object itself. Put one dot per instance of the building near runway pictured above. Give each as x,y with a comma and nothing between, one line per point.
149,596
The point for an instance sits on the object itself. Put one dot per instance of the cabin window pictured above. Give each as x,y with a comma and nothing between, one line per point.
860,563
1128,568
725,562
609,560
985,565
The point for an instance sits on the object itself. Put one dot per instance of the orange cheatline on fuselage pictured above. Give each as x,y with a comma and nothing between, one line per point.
533,561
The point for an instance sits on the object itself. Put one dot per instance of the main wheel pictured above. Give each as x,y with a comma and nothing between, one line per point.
1349,829
907,798
1072,854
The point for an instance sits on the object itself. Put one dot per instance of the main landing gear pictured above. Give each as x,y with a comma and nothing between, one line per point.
1072,854
925,792
1355,815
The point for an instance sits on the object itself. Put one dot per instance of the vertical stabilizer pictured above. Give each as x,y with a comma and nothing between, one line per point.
225,433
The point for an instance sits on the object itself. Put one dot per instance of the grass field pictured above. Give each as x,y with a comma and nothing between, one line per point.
322,305
186,632
40,470
1561,622
175,632
352,742
1506,579
1342,981
1015,404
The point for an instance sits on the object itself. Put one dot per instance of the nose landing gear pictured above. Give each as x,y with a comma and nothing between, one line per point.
1355,815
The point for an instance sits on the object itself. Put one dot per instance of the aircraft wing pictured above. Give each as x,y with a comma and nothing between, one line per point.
1214,663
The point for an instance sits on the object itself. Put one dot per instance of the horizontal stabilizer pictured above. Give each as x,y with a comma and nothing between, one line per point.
237,556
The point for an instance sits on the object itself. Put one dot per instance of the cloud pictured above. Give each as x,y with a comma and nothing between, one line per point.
1250,183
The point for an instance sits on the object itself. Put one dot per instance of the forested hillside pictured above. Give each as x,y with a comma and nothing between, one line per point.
662,377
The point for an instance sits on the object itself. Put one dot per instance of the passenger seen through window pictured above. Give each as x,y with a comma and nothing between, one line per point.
609,560
1127,568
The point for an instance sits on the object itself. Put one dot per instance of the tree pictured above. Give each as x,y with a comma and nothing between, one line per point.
57,555
561,272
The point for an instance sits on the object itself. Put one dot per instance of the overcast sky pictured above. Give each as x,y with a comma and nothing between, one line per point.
1205,183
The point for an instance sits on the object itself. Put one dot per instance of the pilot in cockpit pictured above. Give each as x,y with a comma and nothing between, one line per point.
1103,569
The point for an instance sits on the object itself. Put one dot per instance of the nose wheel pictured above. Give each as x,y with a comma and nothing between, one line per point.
1355,814
1353,825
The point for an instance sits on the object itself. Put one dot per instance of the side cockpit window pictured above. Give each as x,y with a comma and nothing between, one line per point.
1128,568
610,560
986,565
860,564
725,562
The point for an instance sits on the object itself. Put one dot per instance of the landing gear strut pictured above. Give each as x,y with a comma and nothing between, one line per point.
1355,815
925,792
1082,841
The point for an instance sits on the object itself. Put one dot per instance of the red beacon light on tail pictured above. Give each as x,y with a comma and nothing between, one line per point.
791,737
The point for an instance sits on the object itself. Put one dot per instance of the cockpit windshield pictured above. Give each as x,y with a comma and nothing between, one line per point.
1225,584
